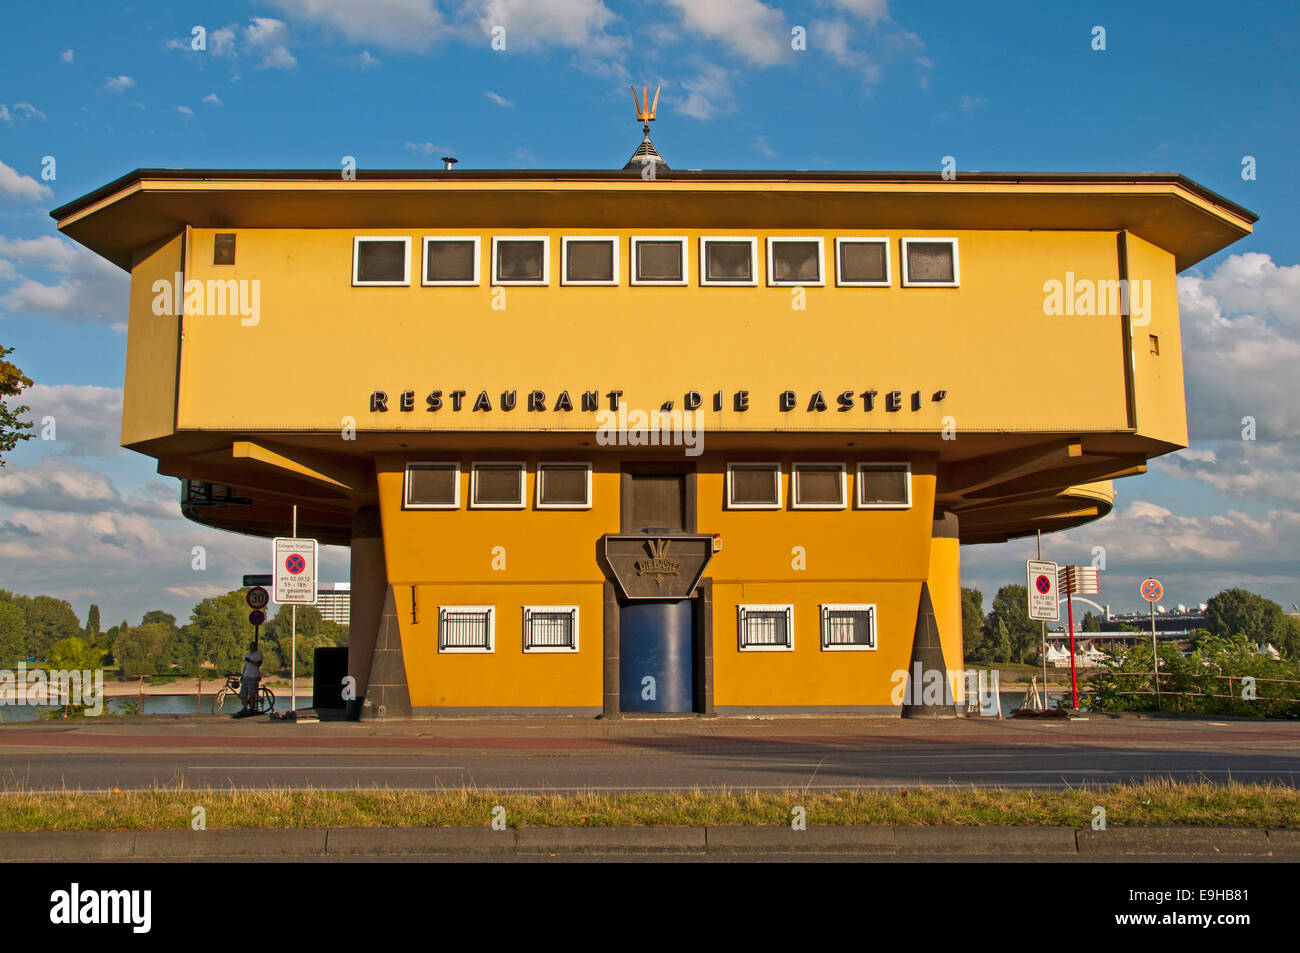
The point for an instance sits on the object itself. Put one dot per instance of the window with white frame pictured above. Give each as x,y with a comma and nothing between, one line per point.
753,486
884,486
862,262
432,486
659,260
563,486
590,260
495,485
849,626
728,261
817,486
466,628
550,628
766,628
521,261
381,260
930,262
451,260
795,261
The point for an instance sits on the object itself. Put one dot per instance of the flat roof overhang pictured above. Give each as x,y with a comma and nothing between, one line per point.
148,206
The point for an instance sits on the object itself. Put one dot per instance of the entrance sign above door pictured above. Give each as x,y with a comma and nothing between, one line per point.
661,566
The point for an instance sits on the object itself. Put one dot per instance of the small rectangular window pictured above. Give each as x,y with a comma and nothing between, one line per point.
862,262
497,486
1154,341
590,261
564,486
381,261
728,261
795,261
930,261
659,261
550,628
521,261
451,260
817,486
766,628
466,628
223,249
884,486
849,627
433,486
753,486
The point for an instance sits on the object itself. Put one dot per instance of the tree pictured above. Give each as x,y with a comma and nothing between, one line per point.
219,632
13,625
12,383
75,654
972,622
313,632
48,621
139,651
162,618
92,621
1091,622
1011,609
1237,612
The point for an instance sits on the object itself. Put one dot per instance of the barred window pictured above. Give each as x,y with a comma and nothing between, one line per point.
550,628
466,628
849,627
768,628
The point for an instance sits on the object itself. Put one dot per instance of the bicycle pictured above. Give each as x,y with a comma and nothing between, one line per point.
265,701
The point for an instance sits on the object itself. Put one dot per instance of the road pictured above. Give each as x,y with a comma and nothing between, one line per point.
565,755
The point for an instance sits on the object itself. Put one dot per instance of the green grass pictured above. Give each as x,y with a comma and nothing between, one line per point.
1231,805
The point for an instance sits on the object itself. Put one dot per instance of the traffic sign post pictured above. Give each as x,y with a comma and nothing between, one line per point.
1072,580
295,585
1041,582
257,598
1152,591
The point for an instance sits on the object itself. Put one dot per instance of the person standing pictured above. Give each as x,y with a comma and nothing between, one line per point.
251,679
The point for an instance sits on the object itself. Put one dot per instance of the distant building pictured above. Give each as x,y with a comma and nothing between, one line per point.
334,600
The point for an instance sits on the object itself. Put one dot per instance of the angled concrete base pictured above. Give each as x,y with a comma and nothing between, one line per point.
387,694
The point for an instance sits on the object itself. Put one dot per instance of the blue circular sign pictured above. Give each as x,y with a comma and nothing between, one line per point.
257,617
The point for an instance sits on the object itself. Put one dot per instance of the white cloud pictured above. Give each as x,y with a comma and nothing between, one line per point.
708,93
499,100
428,148
750,28
1241,347
267,37
871,10
221,42
969,102
90,290
365,61
401,25
574,24
67,56
212,98
185,111
118,84
761,144
21,187
23,111
87,419
832,38
59,485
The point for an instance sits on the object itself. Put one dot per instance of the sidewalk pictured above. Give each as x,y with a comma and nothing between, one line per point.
476,843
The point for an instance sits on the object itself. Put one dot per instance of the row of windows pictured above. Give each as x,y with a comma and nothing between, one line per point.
451,260
750,486
760,628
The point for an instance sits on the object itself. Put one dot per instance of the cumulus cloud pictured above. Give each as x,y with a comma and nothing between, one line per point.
832,37
579,25
400,25
118,84
749,28
88,290
212,99
22,188
59,485
267,37
707,94
87,419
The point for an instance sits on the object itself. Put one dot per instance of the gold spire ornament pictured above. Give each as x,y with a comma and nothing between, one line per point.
645,110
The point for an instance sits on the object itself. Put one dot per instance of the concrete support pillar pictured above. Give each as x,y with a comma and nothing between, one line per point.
369,587
938,627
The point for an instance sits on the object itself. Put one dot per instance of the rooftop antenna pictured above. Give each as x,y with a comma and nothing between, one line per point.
449,162
645,110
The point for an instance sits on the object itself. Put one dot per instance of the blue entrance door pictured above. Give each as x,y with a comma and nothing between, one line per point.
657,656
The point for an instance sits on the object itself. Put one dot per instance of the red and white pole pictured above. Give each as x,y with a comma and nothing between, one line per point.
1074,680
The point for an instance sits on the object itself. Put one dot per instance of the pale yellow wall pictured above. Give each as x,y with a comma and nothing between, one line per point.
149,395
1162,405
987,342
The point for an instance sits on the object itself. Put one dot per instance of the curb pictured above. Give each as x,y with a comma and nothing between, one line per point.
899,842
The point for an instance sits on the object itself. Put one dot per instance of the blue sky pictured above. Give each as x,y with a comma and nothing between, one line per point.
1192,88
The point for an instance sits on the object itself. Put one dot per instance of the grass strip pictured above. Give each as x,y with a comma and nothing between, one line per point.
1164,802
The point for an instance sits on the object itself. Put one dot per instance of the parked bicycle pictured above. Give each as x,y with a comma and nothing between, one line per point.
265,701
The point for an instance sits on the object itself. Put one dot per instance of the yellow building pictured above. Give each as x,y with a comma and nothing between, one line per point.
613,441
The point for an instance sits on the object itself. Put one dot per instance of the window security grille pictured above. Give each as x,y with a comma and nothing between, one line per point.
467,628
849,626
550,629
769,627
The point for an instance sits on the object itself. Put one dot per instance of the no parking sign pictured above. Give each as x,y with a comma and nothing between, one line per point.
295,571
